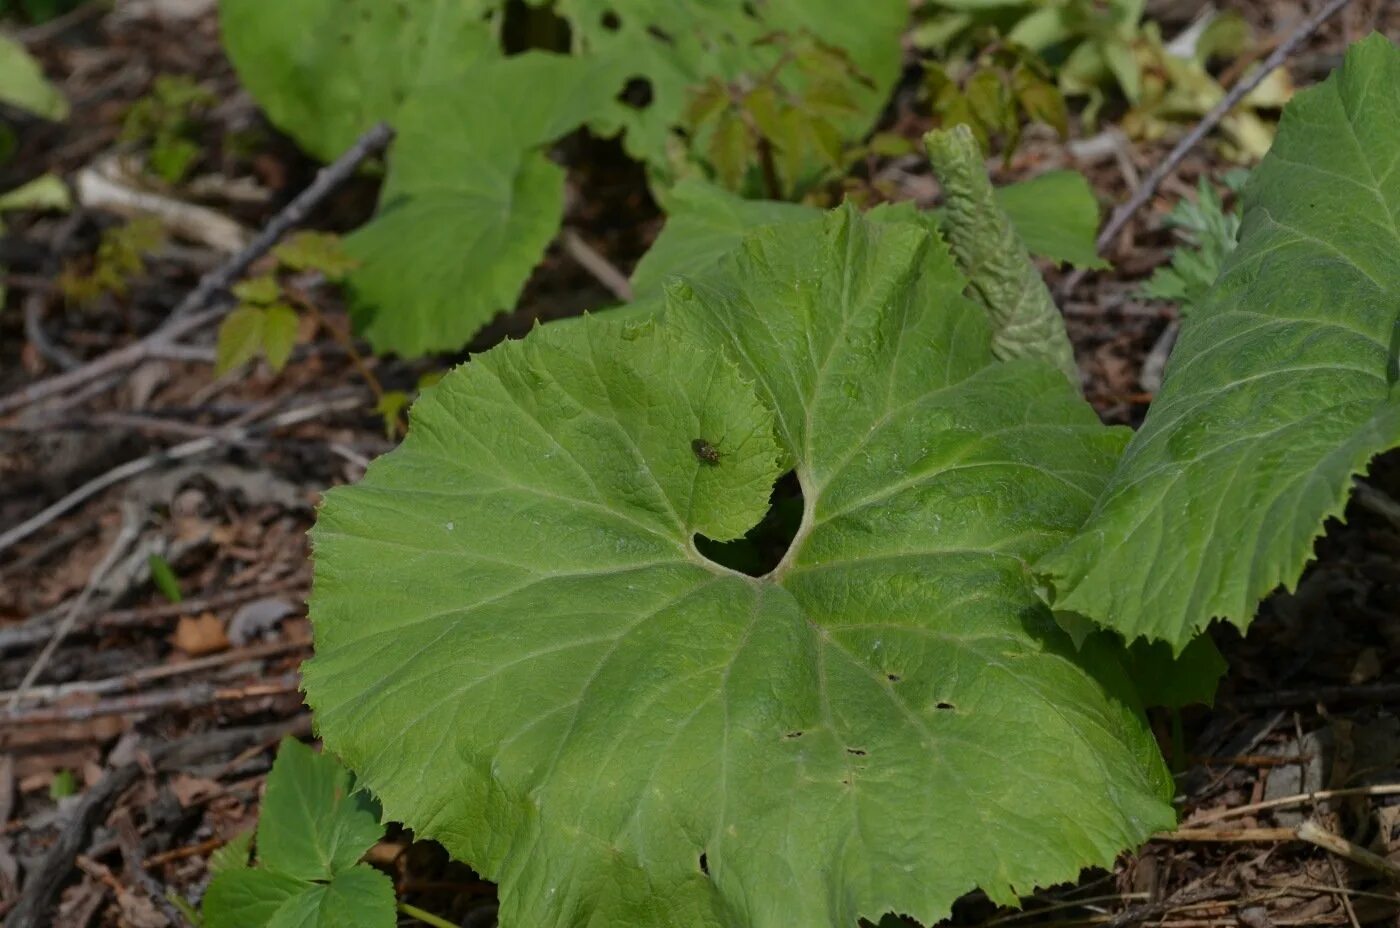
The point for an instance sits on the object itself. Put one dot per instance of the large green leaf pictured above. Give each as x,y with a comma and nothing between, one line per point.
520,649
314,828
472,199
1280,389
327,70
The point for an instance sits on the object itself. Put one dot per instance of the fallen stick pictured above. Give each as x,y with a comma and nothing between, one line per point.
1298,799
132,524
1238,92
194,696
191,313
46,879
1314,833
37,629
146,675
180,452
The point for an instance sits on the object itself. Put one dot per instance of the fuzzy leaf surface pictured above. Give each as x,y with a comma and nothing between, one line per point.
1280,389
327,70
522,653
472,199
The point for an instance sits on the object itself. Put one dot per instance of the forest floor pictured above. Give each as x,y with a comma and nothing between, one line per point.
185,701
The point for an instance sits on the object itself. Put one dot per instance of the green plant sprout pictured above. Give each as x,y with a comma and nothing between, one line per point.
165,120
121,256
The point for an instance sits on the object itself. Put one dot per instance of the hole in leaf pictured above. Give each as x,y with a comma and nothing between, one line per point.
704,864
946,705
660,35
892,677
636,94
763,547
611,21
855,752
793,735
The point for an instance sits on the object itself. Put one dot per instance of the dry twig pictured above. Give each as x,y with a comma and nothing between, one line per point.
131,527
191,313
1208,122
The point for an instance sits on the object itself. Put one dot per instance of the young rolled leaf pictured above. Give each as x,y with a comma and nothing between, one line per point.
1281,387
521,650
1026,322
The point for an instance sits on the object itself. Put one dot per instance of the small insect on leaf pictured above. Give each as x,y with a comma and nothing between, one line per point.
705,452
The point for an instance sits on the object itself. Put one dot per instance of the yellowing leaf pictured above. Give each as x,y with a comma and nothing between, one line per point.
279,334
240,338
731,150
259,290
317,251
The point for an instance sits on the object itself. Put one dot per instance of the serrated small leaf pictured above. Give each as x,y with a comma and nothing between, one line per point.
314,823
279,334
234,855
361,897
317,251
240,338
248,898
258,291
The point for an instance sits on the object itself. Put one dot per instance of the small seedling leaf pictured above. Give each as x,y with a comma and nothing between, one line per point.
279,334
258,291
314,823
240,338
317,251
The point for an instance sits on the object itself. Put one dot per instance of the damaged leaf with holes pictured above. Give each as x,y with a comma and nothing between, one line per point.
472,198
524,652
